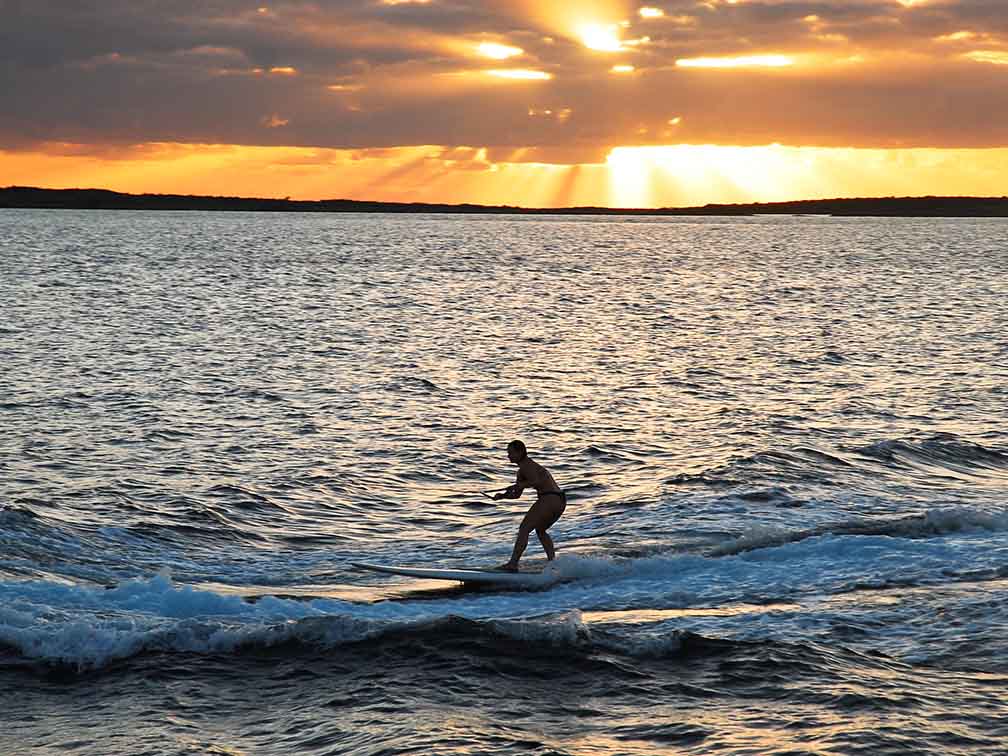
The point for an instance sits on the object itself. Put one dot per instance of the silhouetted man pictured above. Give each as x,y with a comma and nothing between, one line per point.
546,510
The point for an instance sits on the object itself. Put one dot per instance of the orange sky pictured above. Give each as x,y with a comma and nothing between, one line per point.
603,102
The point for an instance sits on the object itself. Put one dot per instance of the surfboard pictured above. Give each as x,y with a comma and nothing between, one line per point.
547,577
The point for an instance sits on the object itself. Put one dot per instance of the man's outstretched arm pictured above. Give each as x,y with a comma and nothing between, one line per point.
511,492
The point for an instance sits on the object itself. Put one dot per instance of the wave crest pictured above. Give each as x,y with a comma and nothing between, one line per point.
933,523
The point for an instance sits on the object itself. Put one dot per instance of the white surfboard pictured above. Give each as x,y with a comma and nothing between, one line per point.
543,579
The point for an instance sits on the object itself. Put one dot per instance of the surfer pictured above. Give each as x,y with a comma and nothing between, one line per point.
549,504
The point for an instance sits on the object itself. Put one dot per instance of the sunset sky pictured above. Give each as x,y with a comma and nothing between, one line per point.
604,102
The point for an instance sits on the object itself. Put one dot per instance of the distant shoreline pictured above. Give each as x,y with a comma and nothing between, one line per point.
103,199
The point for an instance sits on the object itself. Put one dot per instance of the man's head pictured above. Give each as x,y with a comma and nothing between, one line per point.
516,451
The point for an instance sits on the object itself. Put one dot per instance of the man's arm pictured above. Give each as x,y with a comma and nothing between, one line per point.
513,491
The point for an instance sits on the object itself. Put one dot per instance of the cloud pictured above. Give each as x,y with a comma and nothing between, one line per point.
358,74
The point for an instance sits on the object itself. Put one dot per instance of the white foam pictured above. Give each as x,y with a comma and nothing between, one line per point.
564,629
959,519
90,626
940,521
757,537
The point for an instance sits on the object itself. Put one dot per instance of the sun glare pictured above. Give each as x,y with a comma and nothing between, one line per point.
745,61
520,73
995,57
642,176
654,176
959,36
498,51
601,38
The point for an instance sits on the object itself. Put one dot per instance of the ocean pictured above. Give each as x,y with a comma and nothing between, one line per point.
784,442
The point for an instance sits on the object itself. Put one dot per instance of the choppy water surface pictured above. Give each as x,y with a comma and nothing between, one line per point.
784,442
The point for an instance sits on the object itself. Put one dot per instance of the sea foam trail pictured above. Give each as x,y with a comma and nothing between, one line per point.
88,626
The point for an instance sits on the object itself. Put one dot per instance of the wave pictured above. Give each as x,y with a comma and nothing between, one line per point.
944,452
933,461
934,522
637,606
412,384
87,628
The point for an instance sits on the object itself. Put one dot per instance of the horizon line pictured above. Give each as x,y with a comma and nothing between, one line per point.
31,197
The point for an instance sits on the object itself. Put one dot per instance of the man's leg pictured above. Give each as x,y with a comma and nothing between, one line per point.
521,542
529,523
547,543
551,507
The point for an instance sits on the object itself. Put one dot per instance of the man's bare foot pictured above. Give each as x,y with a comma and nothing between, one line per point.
507,567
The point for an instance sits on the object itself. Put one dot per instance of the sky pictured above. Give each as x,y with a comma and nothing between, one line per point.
603,102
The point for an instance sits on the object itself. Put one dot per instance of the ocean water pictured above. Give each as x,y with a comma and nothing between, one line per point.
784,440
